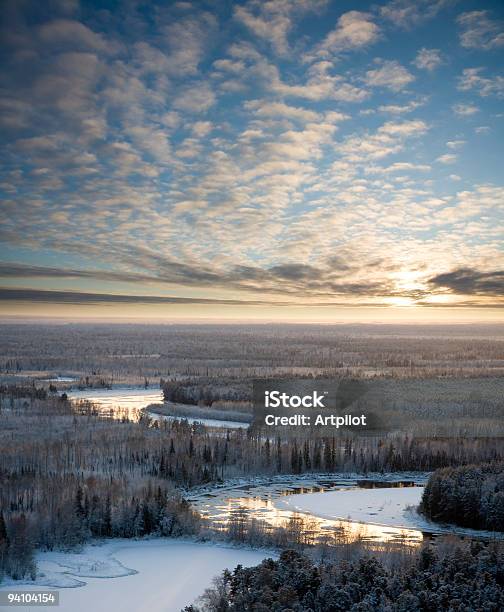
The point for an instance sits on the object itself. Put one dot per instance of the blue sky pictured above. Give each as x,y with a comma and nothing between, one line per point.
281,156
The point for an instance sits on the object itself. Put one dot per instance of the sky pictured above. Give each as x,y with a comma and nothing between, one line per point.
258,160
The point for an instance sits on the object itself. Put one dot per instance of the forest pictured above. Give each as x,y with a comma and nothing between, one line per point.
469,577
66,477
113,354
68,474
468,496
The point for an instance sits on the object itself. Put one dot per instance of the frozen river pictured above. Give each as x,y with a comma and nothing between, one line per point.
135,576
119,402
126,402
335,508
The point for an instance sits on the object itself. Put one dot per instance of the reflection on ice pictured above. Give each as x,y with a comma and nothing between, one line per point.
129,404
266,505
119,403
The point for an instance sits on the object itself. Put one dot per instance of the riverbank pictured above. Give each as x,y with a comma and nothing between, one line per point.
201,412
194,414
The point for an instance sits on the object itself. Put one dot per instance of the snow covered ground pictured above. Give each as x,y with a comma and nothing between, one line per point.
135,576
382,506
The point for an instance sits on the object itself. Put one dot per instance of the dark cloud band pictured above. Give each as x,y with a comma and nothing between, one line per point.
468,281
81,298
33,296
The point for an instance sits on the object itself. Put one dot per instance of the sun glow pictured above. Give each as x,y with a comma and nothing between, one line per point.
401,301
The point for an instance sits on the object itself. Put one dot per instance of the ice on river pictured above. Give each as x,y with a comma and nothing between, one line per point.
133,576
381,506
130,401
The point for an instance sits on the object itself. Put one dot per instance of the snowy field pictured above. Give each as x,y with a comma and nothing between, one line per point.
135,576
382,506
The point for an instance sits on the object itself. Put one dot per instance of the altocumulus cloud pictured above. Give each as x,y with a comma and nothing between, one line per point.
290,149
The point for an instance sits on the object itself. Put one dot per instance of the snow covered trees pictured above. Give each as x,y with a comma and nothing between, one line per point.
467,578
469,496
16,548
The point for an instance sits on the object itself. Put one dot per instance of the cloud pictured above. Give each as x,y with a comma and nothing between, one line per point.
201,128
263,108
189,147
152,141
272,20
390,74
407,14
187,40
400,109
171,149
320,85
14,270
287,279
397,167
31,296
471,79
43,143
478,31
66,86
455,144
274,30
464,110
81,298
196,98
387,140
470,281
296,272
302,144
403,129
354,30
315,82
428,59
447,158
73,34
